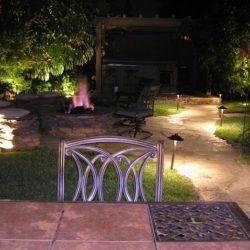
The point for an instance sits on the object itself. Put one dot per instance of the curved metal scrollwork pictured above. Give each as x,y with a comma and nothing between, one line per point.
91,158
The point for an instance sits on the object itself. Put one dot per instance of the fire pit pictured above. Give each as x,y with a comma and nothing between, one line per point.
61,118
81,99
79,117
70,126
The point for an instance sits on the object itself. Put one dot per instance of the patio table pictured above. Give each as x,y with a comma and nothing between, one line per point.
41,225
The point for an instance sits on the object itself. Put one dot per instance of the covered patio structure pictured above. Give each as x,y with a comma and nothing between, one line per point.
130,49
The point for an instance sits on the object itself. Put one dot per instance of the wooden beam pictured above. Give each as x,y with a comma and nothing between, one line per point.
123,22
98,59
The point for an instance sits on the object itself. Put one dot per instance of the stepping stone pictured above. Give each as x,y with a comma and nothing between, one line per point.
26,97
4,104
13,113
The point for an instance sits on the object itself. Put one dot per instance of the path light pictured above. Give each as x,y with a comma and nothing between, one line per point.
177,101
245,118
220,99
174,138
221,108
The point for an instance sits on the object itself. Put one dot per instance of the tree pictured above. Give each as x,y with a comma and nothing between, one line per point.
240,73
42,39
217,38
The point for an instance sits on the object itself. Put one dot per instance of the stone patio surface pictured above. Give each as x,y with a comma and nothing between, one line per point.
218,170
30,225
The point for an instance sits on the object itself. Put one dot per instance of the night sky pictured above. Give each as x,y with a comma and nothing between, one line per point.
149,8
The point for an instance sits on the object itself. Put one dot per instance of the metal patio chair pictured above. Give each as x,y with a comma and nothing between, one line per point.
137,112
128,157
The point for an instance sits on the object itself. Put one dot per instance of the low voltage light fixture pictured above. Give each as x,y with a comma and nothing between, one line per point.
177,101
174,138
220,99
221,109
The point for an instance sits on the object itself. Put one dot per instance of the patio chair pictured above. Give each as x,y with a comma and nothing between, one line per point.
137,112
127,157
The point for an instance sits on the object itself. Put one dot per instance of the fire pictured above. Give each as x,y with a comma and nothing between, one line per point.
81,98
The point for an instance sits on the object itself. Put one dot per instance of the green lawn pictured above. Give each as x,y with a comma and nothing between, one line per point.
232,129
235,107
164,109
32,175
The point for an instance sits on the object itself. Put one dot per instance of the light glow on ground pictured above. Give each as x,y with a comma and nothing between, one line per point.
209,127
175,119
189,170
6,134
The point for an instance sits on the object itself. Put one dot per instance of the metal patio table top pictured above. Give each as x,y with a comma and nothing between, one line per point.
47,225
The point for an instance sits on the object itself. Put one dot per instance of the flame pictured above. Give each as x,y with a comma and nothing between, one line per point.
81,97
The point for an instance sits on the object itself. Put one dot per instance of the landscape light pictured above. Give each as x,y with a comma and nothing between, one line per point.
221,109
174,138
220,99
177,101
244,119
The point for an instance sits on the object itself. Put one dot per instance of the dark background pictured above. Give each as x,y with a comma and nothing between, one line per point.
164,8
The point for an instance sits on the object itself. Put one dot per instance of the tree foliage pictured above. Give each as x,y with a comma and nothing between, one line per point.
217,38
239,76
43,39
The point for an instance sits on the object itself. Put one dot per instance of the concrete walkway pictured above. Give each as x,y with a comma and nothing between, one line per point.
218,171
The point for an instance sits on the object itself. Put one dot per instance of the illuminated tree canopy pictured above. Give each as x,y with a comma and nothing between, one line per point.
43,39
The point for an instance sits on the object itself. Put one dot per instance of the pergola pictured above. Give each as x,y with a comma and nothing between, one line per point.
108,23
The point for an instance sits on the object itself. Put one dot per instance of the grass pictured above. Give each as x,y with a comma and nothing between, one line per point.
32,175
235,107
164,109
232,129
